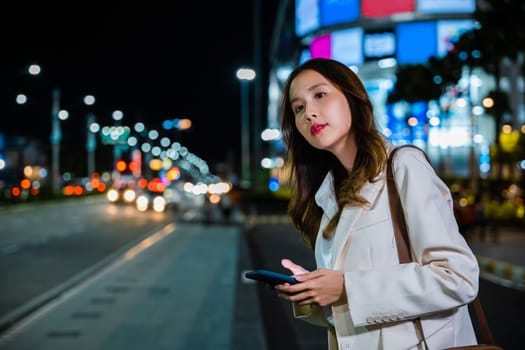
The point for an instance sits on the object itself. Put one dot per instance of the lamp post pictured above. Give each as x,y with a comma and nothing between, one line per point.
245,75
91,143
56,136
117,116
56,131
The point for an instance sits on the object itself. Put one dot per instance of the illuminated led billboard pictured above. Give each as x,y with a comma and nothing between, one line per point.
383,8
449,31
347,46
379,44
338,11
416,42
446,6
321,47
344,45
306,16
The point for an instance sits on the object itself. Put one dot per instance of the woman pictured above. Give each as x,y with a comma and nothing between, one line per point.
359,291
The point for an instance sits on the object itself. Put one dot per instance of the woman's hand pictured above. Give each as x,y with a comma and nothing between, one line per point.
322,286
294,268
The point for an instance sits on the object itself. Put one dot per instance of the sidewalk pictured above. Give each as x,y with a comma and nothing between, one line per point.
502,257
271,242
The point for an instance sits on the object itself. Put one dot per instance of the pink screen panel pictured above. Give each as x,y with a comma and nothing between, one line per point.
321,47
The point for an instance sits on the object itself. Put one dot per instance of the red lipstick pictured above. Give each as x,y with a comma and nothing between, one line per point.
317,128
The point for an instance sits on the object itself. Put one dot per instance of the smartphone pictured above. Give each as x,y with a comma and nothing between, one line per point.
271,277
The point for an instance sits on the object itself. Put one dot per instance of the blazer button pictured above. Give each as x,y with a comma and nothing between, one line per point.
386,318
393,317
370,319
400,315
378,319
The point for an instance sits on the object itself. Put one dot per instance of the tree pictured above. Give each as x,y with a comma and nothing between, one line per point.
414,83
500,34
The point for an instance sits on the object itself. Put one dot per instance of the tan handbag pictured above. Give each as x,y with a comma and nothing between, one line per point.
403,244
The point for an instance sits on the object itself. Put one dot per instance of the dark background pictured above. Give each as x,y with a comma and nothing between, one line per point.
152,60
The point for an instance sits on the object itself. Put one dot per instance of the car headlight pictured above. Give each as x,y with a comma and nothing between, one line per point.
129,196
112,195
159,204
142,203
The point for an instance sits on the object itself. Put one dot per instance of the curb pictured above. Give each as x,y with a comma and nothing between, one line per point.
251,220
509,274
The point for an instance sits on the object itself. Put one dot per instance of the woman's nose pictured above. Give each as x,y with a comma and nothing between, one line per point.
310,115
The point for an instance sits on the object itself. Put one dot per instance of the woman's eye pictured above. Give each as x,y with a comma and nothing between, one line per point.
297,109
320,95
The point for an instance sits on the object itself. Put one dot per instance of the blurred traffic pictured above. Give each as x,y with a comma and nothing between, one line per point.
168,193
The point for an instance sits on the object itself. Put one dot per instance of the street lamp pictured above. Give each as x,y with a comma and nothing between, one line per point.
34,69
245,75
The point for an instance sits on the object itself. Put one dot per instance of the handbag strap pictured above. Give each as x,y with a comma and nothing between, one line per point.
403,243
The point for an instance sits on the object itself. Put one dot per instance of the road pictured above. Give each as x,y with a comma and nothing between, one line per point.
46,246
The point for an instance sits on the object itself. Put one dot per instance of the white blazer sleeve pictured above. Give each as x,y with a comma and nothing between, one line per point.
310,313
445,272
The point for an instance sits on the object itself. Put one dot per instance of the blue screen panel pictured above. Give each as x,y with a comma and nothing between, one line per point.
377,45
347,46
446,6
416,42
338,11
306,16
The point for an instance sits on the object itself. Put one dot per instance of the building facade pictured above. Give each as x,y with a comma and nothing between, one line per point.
375,38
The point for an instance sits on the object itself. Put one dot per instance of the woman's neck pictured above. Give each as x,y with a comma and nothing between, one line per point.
347,155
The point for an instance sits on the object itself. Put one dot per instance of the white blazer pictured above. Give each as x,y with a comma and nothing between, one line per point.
384,296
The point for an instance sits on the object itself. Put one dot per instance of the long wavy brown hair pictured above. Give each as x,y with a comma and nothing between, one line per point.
310,165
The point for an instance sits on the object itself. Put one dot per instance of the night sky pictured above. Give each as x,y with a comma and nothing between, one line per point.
152,60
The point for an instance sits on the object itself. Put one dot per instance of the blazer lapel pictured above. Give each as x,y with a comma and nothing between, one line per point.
325,196
349,217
